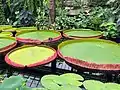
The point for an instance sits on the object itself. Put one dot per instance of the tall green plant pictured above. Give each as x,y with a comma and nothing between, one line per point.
2,14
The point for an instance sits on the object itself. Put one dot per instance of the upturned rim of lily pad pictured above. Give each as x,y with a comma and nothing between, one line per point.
43,62
80,37
6,34
36,41
10,46
85,64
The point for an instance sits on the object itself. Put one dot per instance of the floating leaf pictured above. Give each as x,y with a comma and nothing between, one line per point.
93,85
112,86
39,89
48,82
12,82
66,80
69,87
72,76
25,88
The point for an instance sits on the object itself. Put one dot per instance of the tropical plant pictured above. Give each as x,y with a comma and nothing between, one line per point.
42,21
2,15
24,18
110,30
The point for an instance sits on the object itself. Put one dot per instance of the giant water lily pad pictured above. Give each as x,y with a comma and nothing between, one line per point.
7,43
25,29
12,29
4,34
38,36
93,84
91,53
30,56
82,33
4,27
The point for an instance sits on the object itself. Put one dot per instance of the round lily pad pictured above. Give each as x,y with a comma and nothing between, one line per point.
4,34
25,29
93,84
4,27
7,43
91,53
48,82
112,86
82,33
69,87
10,30
38,36
13,82
30,56
72,76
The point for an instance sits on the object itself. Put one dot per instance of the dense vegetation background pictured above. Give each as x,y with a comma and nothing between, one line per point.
102,15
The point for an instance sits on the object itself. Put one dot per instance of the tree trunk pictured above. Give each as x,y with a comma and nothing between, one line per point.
52,11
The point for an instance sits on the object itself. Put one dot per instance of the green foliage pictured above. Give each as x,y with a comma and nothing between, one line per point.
17,14
63,21
2,16
32,5
110,30
24,18
42,21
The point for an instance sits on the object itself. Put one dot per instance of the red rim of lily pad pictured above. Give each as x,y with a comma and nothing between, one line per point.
4,49
36,41
79,37
88,65
48,60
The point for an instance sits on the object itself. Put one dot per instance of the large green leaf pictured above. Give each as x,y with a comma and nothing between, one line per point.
112,86
13,82
69,87
93,85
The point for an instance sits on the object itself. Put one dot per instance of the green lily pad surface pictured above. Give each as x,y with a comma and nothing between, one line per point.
31,55
25,29
93,84
69,87
73,76
6,41
48,82
91,50
13,82
82,33
112,86
38,35
4,27
4,34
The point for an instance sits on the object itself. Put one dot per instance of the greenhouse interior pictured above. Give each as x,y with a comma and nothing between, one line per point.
59,45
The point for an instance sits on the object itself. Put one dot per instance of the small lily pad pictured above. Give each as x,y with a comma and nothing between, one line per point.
93,85
69,87
25,88
48,82
39,89
13,82
72,76
112,86
66,80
